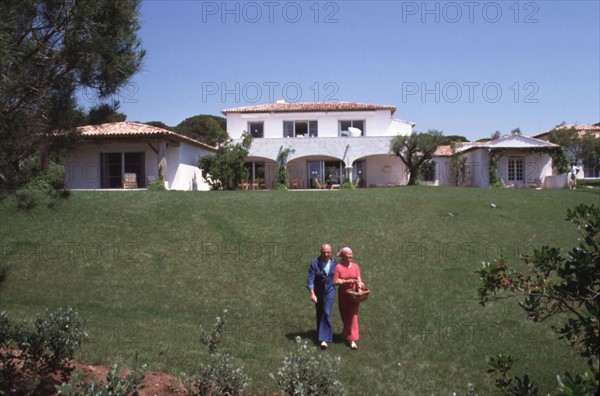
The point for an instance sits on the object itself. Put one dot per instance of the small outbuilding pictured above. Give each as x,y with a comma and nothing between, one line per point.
130,155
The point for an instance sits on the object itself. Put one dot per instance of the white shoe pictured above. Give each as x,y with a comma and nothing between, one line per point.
353,345
323,345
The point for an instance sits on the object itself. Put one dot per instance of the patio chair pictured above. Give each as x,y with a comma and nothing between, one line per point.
255,185
130,180
243,184
319,185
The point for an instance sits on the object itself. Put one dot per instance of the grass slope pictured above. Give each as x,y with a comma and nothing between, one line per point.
145,269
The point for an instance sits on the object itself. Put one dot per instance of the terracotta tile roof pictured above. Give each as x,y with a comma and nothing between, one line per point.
446,151
134,129
581,128
443,151
308,107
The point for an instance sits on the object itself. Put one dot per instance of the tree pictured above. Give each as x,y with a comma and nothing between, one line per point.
50,50
458,163
496,135
206,128
516,131
415,149
565,287
580,147
104,113
456,138
159,124
226,169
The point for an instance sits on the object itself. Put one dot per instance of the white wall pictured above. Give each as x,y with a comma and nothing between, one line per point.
385,170
536,167
378,123
186,174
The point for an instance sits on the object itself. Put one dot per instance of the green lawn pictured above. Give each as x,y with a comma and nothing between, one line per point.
145,269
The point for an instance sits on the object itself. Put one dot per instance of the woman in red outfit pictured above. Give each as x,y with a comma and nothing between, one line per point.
347,275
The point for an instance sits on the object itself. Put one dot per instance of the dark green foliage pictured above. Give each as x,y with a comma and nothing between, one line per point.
493,169
206,128
500,366
416,149
50,51
225,169
560,162
427,171
104,113
27,356
588,182
456,138
586,384
159,124
582,148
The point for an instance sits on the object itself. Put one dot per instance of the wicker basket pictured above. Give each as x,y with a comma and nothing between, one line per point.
359,295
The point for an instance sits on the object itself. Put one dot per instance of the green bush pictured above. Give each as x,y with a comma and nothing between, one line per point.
114,385
305,372
221,375
588,182
28,356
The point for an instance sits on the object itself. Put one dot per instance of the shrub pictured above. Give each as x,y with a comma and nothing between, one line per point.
588,182
114,385
554,284
221,375
28,356
305,372
159,183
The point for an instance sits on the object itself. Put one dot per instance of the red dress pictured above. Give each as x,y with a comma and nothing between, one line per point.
348,308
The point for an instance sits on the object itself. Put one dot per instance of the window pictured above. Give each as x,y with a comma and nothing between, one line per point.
256,170
515,169
358,124
330,172
300,128
114,165
256,129
591,172
358,173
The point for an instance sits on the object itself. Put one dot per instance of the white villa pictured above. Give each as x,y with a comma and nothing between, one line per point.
327,141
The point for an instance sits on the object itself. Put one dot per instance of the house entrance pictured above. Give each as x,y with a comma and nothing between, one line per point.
113,167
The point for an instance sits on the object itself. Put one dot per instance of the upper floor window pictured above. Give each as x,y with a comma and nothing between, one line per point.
352,128
257,129
300,128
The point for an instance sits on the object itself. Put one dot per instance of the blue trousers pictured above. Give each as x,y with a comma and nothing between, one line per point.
324,305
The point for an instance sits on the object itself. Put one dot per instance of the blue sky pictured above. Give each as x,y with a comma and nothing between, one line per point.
463,67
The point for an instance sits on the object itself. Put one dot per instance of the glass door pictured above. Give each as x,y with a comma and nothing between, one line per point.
316,170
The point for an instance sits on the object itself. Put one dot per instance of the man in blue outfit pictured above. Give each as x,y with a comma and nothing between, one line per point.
322,292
